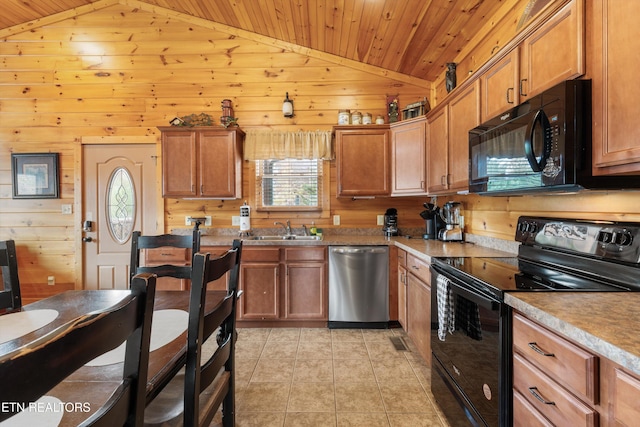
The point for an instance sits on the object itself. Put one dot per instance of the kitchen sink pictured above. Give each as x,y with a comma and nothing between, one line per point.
286,237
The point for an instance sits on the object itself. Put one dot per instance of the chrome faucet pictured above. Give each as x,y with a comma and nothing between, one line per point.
305,230
287,227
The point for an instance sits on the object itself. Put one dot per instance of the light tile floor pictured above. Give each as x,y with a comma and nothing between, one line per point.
337,377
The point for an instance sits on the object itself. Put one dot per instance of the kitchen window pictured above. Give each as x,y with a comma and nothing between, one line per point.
289,184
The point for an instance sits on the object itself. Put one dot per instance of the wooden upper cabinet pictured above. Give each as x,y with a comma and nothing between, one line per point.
362,160
551,53
464,115
554,52
500,86
202,162
437,151
408,157
614,62
179,163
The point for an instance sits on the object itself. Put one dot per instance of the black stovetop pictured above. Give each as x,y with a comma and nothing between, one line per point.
558,255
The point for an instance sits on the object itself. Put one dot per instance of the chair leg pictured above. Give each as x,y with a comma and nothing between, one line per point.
228,408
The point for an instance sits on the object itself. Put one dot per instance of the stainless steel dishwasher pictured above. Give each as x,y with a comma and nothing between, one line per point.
358,286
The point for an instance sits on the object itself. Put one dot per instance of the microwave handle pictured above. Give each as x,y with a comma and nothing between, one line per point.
539,117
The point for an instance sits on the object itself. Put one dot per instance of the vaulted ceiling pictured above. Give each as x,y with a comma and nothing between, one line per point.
412,37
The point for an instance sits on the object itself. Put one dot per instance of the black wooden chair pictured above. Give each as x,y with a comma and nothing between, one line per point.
10,299
140,242
34,370
195,394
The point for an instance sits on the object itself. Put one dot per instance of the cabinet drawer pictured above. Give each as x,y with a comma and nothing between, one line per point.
267,254
524,414
215,251
570,365
419,267
166,256
304,254
626,405
549,398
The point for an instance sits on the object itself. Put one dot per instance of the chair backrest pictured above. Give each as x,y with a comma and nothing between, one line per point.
10,299
39,366
140,242
200,376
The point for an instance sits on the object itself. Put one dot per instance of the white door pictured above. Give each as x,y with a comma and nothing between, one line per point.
119,198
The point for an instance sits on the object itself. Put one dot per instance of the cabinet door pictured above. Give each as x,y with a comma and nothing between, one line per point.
408,158
219,164
615,90
260,299
626,405
305,291
464,115
362,161
419,315
216,251
554,52
179,164
171,256
500,86
402,297
437,151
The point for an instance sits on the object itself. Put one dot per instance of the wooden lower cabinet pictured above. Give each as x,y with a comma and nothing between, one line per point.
216,251
626,398
305,293
402,288
283,284
259,283
557,382
419,306
171,256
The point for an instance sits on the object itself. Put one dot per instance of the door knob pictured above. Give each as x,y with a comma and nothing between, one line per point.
87,239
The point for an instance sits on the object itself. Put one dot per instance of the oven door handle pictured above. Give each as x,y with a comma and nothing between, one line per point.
475,297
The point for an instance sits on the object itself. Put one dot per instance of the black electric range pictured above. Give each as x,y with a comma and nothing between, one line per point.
558,255
471,369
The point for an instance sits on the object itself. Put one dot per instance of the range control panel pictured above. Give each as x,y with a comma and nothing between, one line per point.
603,239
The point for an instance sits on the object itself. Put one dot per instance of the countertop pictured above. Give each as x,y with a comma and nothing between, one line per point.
425,249
604,322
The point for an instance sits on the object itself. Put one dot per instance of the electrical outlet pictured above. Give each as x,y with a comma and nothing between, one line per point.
51,280
67,209
188,220
336,220
235,220
380,220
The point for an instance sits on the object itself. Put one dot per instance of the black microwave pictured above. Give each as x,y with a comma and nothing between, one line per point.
541,145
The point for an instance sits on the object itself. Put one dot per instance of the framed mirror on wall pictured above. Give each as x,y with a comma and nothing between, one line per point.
35,175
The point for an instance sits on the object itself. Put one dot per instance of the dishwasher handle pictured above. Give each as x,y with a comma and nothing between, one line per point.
359,250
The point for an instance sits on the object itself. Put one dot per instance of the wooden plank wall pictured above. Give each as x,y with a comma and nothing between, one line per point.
120,71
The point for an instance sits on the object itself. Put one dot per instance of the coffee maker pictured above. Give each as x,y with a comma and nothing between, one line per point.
450,214
390,222
432,221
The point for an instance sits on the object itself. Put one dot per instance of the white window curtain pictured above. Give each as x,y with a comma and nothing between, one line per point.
278,145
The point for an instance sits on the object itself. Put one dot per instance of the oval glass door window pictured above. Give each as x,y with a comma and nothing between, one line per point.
121,205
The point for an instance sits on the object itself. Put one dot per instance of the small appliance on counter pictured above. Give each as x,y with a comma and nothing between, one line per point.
450,214
390,222
245,220
432,220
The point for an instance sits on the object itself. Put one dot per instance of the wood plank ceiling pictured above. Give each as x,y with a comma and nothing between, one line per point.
412,37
